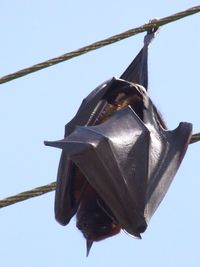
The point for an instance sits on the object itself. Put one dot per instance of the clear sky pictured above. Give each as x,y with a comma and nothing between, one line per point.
36,108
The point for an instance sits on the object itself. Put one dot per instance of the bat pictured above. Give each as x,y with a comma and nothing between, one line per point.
118,157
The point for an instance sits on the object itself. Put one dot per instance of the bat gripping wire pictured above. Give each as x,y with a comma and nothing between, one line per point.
151,33
151,26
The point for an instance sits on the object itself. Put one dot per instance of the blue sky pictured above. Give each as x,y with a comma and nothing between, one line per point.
36,108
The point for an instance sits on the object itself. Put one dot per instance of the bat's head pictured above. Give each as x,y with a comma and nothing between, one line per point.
92,220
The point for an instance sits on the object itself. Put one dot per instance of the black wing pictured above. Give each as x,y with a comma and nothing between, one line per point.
91,108
132,162
66,203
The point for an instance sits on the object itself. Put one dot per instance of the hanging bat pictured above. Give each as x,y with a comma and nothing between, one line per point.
118,158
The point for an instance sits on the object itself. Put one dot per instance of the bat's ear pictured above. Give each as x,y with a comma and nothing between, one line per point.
88,245
137,71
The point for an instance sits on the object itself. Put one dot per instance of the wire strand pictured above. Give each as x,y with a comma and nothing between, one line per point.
27,194
195,138
99,44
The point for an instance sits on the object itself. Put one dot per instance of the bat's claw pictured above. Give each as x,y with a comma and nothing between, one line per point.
136,236
151,33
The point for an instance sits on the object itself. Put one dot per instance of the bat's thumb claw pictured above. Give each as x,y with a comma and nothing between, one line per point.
58,144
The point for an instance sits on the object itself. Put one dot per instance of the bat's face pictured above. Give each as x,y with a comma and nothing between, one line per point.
92,220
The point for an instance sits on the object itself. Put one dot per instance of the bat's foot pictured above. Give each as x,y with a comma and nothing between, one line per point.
151,33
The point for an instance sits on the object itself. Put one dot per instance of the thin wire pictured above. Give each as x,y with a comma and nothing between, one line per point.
27,194
195,138
99,44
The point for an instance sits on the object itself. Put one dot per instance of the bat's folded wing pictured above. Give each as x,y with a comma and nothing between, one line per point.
65,204
113,156
167,150
130,163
